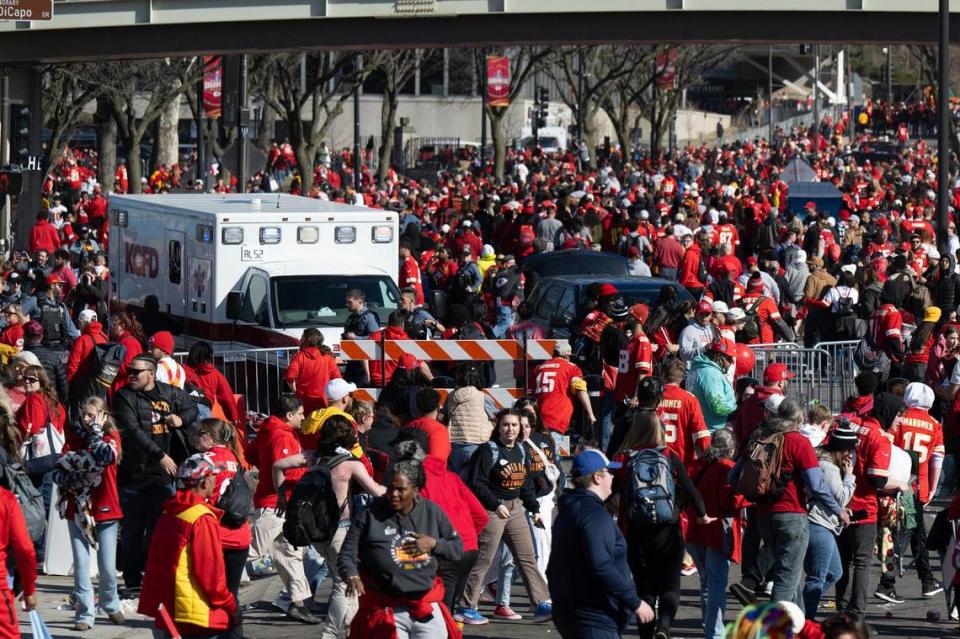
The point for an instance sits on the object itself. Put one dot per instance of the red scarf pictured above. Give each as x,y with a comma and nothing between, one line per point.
375,620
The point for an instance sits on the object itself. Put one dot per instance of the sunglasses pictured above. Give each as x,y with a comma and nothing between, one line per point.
135,372
31,380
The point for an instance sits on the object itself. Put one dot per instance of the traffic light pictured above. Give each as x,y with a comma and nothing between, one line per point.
20,135
542,97
541,115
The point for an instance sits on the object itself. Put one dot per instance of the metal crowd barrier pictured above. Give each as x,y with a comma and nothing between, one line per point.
824,373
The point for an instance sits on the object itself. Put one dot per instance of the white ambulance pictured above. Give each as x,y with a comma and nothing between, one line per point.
251,270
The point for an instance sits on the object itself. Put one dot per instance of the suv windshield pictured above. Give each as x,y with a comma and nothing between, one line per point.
310,300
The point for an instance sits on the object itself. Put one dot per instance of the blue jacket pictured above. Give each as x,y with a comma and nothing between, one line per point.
588,569
713,390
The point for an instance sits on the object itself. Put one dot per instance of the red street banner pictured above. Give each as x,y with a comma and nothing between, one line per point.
498,81
212,86
667,69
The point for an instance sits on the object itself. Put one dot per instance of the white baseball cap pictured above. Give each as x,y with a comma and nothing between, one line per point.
87,315
339,388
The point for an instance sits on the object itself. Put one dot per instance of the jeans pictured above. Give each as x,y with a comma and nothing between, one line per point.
713,567
573,622
504,317
822,565
460,455
856,545
667,273
506,568
343,607
606,421
141,510
786,534
107,564
315,568
454,575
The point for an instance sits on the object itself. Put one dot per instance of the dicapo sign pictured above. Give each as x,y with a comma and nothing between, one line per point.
26,10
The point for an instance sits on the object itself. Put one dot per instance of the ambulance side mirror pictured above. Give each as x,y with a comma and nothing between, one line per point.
234,305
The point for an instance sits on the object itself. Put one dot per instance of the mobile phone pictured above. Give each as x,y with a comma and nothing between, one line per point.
858,515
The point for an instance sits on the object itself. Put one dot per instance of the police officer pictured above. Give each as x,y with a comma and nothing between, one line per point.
361,323
420,323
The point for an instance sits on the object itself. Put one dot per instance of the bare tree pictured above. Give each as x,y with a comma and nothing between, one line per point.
928,56
523,62
329,80
602,67
66,92
124,83
396,68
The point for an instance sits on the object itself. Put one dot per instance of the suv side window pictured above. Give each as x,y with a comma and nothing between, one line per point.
548,305
567,306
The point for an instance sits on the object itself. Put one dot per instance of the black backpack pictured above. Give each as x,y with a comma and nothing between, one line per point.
751,325
312,513
236,502
53,320
99,371
15,479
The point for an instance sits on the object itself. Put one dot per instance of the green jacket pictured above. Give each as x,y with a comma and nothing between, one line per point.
713,390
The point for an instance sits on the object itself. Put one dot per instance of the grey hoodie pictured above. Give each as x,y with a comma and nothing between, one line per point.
841,489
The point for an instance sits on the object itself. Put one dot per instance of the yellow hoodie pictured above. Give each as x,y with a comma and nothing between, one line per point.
315,421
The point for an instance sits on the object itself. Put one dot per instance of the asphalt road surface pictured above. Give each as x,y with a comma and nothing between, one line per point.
907,620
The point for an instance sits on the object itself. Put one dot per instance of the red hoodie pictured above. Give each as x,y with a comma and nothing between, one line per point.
311,369
276,440
458,502
185,570
720,501
689,267
91,335
377,377
215,386
750,413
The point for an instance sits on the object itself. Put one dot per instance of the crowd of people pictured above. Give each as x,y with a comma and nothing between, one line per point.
422,505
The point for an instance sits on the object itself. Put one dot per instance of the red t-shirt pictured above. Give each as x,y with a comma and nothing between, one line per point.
552,384
228,464
873,460
410,277
275,441
886,324
636,361
920,433
438,439
682,418
798,456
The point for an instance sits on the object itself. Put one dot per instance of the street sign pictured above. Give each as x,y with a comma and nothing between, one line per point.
26,10
11,183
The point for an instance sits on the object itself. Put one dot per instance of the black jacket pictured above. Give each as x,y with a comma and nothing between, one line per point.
54,364
144,443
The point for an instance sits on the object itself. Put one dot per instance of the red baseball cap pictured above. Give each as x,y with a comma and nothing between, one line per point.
408,361
53,278
704,307
776,373
724,345
607,290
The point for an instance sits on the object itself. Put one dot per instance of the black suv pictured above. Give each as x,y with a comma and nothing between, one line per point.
555,299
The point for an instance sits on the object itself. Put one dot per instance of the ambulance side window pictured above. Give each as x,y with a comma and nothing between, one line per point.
176,261
255,302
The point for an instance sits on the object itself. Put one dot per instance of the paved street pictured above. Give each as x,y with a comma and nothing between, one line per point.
908,620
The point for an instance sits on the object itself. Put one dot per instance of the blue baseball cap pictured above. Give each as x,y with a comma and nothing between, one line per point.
590,461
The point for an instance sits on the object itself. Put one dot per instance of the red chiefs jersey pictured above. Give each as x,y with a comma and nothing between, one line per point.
920,433
552,388
725,234
767,313
685,432
410,277
885,326
872,460
636,361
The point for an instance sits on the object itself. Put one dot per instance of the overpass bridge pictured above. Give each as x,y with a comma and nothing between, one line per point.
97,29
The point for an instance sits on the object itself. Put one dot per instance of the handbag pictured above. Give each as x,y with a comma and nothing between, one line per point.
549,468
37,628
39,452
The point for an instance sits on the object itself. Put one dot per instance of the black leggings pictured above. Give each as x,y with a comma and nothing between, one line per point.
655,555
454,575
234,562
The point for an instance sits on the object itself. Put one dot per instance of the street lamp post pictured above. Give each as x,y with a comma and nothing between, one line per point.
943,127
